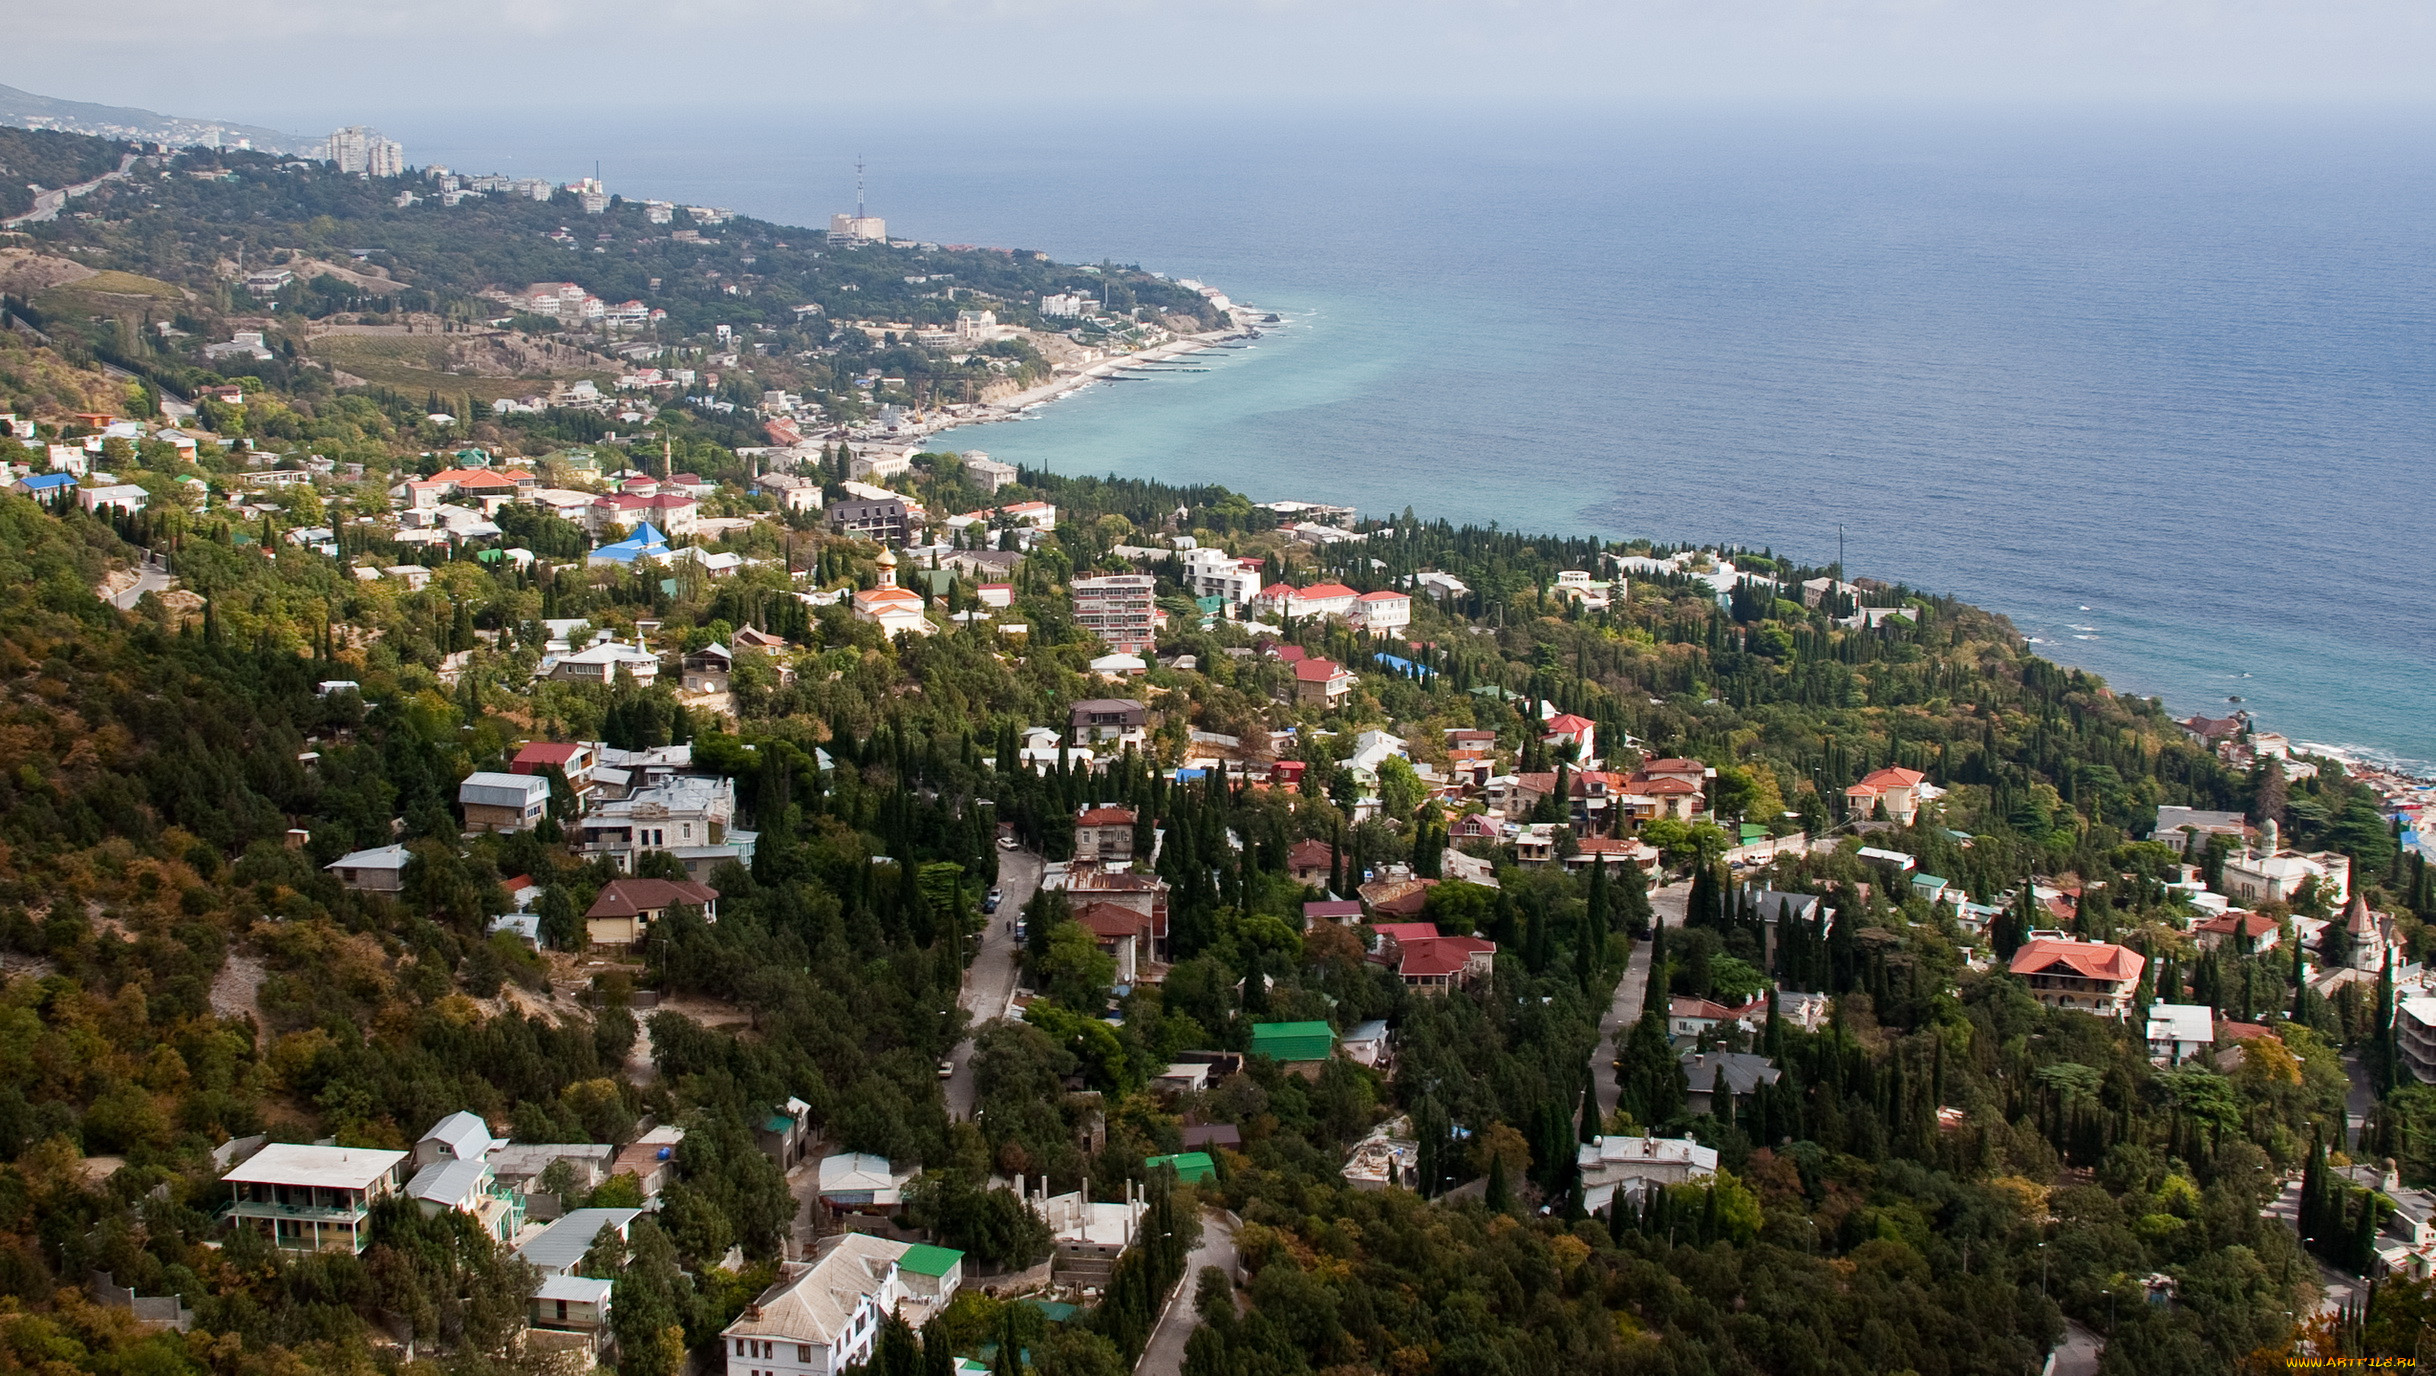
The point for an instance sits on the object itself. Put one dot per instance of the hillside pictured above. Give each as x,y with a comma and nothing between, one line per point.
1562,782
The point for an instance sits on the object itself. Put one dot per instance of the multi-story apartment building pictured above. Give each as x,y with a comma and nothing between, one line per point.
1119,609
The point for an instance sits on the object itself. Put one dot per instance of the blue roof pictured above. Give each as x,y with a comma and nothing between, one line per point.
44,482
648,534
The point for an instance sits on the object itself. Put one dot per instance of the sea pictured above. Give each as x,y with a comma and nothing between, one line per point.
2157,383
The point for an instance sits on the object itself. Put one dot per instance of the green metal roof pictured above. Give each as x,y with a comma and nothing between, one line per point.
1191,1167
1293,1041
925,1260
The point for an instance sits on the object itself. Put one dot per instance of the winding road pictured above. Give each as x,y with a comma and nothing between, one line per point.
48,204
152,575
1163,1355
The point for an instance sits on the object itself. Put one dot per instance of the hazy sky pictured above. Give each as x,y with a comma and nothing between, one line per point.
308,64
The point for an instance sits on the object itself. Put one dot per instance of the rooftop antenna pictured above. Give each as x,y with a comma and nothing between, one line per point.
858,186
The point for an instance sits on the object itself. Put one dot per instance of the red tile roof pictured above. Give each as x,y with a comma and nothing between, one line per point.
1320,592
2088,959
1680,1007
1109,922
633,897
543,754
1440,956
2237,923
1888,780
1567,724
1105,817
1317,670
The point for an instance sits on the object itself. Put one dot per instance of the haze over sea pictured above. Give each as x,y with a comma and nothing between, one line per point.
2158,384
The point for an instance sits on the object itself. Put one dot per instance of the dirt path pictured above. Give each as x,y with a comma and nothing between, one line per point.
236,992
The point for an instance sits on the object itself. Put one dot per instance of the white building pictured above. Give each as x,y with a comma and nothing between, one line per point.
1629,1167
821,1318
503,802
311,1198
1216,573
1067,305
987,473
1383,613
2179,1031
846,230
2268,873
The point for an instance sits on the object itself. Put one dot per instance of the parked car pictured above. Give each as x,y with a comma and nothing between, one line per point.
1006,843
947,1069
990,903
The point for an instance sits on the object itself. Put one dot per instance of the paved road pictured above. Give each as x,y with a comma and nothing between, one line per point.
1163,1355
990,980
48,204
2339,1286
2361,1101
1669,904
151,576
2079,1353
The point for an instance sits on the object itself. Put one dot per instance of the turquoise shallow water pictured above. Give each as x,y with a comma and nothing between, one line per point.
2159,385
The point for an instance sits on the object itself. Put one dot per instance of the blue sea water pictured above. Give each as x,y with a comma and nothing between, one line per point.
2158,384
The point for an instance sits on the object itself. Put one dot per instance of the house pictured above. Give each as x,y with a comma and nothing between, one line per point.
886,520
503,802
2248,933
313,1198
792,493
623,913
1300,1047
1105,834
855,1180
2179,1031
1896,790
558,1249
706,670
2186,827
1320,599
1934,889
1613,851
519,1165
1129,937
1690,1017
1110,721
45,487
1119,609
1383,613
649,1159
1205,1137
785,1134
467,1187
2415,1034
2094,976
461,1136
1120,665
381,869
1581,733
1429,963
686,815
1321,682
1367,1043
572,759
1143,894
1341,912
1707,1074
1625,1169
1311,862
574,1306
126,497
606,663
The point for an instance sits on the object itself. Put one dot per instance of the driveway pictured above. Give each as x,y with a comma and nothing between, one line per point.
990,980
152,575
2078,1354
1669,904
1163,1355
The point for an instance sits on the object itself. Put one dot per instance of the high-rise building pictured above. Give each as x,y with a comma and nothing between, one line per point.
359,149
857,229
351,148
1118,609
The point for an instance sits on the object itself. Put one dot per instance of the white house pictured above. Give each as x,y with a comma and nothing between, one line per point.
823,1317
1383,613
312,1198
2179,1031
1629,1167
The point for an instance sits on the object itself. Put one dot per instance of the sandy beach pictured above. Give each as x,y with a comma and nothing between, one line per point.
1066,384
